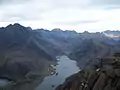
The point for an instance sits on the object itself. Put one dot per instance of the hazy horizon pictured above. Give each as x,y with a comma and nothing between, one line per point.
60,29
78,15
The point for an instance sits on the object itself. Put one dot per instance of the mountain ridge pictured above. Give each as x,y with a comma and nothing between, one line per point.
24,51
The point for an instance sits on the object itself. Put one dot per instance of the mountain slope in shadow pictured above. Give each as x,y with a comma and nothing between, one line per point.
24,51
22,54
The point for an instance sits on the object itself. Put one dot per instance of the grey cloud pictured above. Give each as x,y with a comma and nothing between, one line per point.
76,22
24,10
54,4
106,2
4,2
68,3
34,9
86,3
19,17
20,13
112,7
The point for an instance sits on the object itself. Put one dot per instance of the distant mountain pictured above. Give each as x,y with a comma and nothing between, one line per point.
112,34
115,32
60,39
93,46
24,51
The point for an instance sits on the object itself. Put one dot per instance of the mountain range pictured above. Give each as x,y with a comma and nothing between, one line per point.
25,52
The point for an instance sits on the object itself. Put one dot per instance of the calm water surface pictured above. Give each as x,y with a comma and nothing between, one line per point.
65,68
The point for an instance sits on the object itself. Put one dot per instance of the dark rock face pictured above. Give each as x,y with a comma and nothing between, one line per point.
21,53
24,51
104,78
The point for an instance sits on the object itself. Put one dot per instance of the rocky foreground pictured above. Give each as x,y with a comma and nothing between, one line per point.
106,77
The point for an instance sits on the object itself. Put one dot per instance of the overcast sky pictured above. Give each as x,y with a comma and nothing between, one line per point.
79,15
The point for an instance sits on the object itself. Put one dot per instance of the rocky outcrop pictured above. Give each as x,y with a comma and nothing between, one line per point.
106,77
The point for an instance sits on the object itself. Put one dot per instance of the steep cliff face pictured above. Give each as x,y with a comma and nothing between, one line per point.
106,77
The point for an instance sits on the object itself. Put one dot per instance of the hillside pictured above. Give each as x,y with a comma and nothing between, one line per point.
92,46
105,77
27,53
21,53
